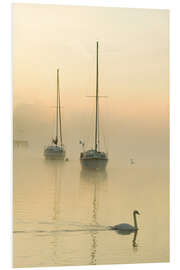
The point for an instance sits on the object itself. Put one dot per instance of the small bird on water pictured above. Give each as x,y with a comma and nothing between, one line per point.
132,162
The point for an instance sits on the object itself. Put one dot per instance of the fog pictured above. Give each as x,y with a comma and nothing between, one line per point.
133,66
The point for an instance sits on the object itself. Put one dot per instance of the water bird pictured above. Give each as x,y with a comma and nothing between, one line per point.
132,162
125,228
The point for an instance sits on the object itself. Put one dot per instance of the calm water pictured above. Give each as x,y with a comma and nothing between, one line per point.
61,213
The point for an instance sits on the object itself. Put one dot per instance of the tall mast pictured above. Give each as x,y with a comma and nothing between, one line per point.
59,109
97,97
56,141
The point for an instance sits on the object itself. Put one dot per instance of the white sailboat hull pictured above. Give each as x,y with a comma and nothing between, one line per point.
92,159
54,156
97,164
54,152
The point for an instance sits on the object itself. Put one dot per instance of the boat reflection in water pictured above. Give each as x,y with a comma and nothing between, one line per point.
93,175
55,170
92,184
95,182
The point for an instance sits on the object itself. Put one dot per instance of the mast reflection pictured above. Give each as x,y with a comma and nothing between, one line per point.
55,170
93,182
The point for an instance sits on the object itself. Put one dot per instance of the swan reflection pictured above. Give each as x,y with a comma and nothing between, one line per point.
135,233
134,239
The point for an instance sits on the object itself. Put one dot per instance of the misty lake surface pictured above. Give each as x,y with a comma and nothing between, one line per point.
62,214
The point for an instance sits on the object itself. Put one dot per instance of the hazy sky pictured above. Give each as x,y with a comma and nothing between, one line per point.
134,74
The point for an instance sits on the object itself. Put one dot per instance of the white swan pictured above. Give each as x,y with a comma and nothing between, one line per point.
126,228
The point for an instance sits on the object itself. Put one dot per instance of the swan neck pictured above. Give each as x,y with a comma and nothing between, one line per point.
135,221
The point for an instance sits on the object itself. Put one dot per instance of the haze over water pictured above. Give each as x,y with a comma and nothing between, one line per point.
61,214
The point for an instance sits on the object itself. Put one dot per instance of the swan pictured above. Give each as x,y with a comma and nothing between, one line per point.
125,228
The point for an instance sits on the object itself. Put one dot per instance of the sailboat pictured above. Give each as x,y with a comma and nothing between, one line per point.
56,149
94,158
